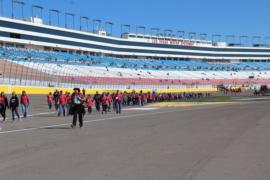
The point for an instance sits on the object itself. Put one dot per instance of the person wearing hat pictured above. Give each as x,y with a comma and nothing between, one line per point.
77,100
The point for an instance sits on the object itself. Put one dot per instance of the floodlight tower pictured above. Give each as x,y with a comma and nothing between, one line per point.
13,3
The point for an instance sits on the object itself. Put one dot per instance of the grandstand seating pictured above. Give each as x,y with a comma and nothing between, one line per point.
107,70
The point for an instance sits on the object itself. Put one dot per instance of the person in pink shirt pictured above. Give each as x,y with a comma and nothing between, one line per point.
90,103
104,103
50,100
110,100
118,102
25,103
62,104
68,102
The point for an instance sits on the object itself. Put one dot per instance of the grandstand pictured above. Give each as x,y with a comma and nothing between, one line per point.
34,53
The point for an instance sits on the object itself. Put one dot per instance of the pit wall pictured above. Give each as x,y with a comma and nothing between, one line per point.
45,90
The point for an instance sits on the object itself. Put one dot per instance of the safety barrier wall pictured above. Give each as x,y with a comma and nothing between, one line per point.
45,90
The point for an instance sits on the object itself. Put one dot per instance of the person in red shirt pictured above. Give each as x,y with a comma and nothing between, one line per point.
68,102
110,100
104,103
90,103
62,104
25,103
3,105
50,100
118,102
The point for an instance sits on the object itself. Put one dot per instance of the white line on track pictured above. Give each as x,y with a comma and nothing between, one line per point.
37,114
98,120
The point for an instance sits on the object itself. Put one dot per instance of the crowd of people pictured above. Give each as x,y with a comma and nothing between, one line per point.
13,104
78,103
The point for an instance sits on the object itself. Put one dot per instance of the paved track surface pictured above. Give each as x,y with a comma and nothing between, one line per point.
215,142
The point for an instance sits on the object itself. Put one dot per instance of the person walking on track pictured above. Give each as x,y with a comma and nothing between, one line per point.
62,104
14,104
77,100
3,105
25,103
50,100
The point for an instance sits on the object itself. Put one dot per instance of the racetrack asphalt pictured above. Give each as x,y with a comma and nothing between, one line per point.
213,142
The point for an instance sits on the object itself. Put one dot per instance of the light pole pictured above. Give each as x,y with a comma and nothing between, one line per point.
241,40
180,35
2,7
256,40
232,38
168,33
109,26
124,27
266,41
203,36
57,12
192,35
13,2
72,15
86,20
96,23
216,38
156,34
138,30
40,8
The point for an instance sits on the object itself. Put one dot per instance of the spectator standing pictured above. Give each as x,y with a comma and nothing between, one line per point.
105,103
62,104
25,103
68,102
50,100
14,104
90,102
56,99
77,107
97,99
3,105
118,101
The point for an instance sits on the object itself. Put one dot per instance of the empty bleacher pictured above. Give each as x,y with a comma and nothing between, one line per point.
22,65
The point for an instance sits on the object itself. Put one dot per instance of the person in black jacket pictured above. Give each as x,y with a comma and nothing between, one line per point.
3,105
97,99
14,104
77,101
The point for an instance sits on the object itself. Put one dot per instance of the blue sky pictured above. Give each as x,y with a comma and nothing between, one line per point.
239,17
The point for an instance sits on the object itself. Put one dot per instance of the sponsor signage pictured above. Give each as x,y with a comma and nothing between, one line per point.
179,43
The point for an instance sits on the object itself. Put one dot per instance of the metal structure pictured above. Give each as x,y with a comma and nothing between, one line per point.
72,15
216,38
203,36
192,36
97,25
230,39
124,27
109,28
54,11
13,3
138,28
86,22
2,7
156,30
37,7
243,39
